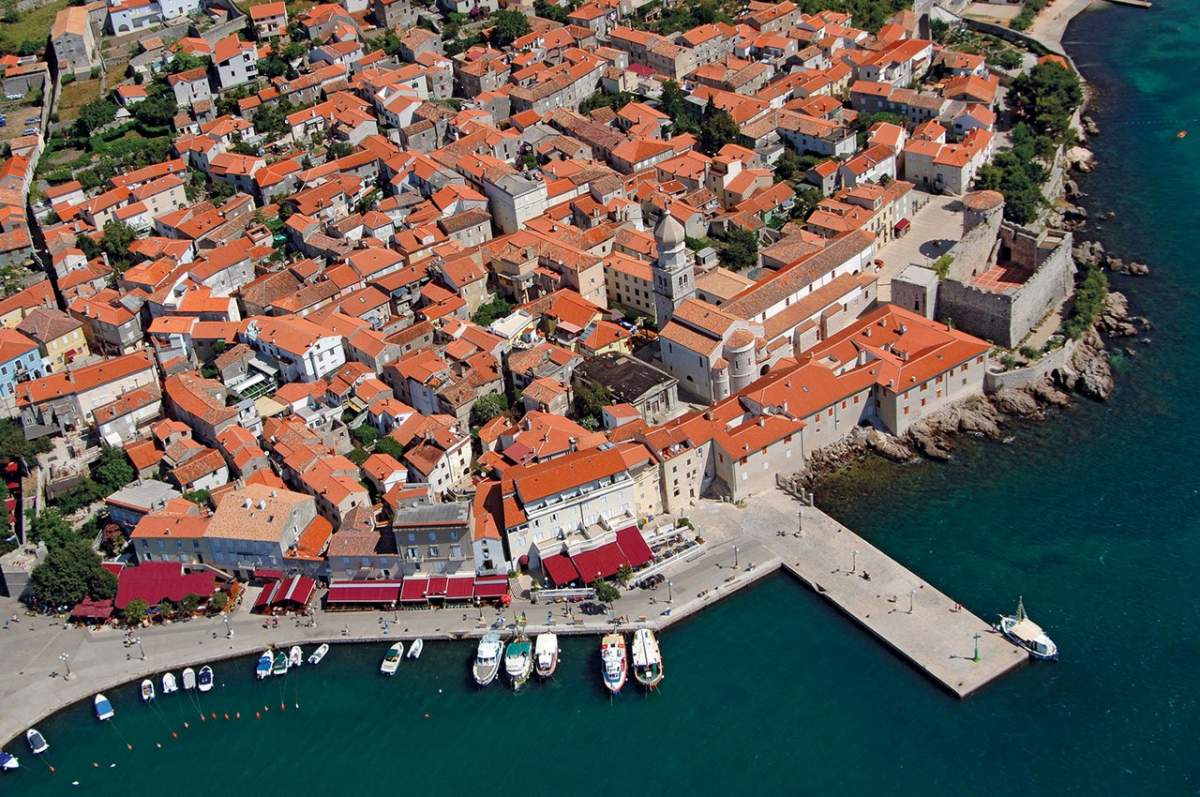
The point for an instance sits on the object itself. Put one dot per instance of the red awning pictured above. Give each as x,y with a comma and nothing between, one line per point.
634,546
363,592
599,562
560,569
460,588
88,609
902,225
491,587
437,587
414,589
154,582
267,573
267,597
299,591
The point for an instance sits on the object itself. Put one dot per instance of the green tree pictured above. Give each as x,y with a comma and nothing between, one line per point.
13,444
624,574
115,242
135,611
198,497
218,602
487,407
389,446
185,61
95,115
1046,97
590,401
498,307
68,574
157,110
365,435
548,11
941,266
674,103
50,527
738,248
1087,304
717,129
509,25
189,604
606,591
113,470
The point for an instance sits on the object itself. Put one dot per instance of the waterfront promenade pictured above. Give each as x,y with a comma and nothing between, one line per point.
742,546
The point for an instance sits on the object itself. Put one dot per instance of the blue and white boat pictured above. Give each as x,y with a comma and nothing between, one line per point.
104,709
8,761
263,670
206,678
37,743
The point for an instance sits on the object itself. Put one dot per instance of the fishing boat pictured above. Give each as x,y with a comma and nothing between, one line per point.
8,761
169,684
518,661
147,690
280,665
263,668
37,743
189,679
391,659
545,654
319,654
647,659
614,666
104,709
295,656
206,678
1022,631
414,650
487,658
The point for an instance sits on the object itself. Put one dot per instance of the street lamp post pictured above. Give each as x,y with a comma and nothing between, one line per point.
854,561
977,646
670,595
66,660
911,593
141,650
800,522
735,557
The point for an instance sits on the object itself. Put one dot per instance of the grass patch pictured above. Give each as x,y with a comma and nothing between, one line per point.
75,96
31,25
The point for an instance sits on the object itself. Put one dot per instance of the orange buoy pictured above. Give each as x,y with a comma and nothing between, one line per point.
174,735
214,715
257,715
239,715
202,718
282,707
130,747
1181,134
226,715
52,770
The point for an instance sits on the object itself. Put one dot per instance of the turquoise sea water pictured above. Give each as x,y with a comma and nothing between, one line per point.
1092,516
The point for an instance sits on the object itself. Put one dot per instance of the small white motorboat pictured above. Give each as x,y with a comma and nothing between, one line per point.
263,668
518,661
8,761
414,652
614,663
545,654
104,709
319,654
189,679
147,690
391,659
169,684
647,659
295,656
487,658
1025,633
37,743
206,678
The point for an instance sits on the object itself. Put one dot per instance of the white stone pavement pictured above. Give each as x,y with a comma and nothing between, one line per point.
741,547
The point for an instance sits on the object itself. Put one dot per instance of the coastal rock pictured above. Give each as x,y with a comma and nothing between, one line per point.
1075,213
934,446
1018,403
1089,126
1093,371
1089,253
1114,319
1071,189
1081,159
1045,391
888,446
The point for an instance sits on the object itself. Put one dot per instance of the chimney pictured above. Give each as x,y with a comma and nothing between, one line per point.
247,503
262,504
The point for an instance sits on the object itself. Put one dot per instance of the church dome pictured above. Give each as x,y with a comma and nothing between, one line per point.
669,231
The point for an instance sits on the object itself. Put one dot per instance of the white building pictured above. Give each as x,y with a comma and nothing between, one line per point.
304,351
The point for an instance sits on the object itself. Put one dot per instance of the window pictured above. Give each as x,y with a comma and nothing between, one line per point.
413,554
433,552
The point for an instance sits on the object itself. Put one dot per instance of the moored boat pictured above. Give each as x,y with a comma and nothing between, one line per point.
614,664
487,658
319,653
647,659
414,650
518,661
169,683
263,668
280,663
205,681
37,743
545,654
295,656
8,761
1025,633
104,709
189,679
391,659
147,690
